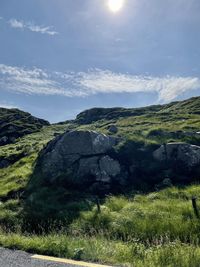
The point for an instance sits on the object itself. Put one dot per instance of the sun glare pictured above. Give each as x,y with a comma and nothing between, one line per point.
115,5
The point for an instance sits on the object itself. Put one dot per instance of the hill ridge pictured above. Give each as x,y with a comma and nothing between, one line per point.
15,123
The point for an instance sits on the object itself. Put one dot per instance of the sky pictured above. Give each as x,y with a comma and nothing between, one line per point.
60,57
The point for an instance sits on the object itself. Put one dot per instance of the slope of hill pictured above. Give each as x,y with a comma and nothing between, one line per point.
15,123
190,106
178,121
138,229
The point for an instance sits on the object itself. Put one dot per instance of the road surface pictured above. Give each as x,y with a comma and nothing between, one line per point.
15,258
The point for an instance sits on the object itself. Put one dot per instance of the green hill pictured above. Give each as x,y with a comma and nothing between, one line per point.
177,121
191,106
153,125
136,228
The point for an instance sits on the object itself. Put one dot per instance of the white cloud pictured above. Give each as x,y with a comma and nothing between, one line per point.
72,84
43,30
19,24
16,24
34,81
167,88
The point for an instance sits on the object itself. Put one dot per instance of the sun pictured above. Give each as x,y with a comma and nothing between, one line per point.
115,5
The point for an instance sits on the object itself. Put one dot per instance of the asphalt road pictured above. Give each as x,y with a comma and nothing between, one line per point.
11,258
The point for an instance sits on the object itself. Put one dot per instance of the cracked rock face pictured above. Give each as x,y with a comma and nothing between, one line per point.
80,154
101,167
186,153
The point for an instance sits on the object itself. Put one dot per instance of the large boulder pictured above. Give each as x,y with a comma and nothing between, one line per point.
79,157
182,152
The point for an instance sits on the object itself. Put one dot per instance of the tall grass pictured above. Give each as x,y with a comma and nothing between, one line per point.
104,250
157,229
144,217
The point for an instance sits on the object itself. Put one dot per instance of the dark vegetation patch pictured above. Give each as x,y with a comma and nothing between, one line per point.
15,123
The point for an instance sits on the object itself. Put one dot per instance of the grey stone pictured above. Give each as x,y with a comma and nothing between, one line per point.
189,154
82,154
89,167
113,129
84,143
108,168
101,168
4,139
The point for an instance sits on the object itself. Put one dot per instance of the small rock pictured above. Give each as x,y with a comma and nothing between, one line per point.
3,140
4,163
113,129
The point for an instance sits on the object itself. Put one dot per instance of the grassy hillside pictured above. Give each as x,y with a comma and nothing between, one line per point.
178,121
190,106
136,229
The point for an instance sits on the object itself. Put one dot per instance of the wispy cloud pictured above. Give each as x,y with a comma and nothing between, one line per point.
95,81
167,87
20,24
29,81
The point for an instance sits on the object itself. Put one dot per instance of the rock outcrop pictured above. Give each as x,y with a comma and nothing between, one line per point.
96,114
85,159
81,157
186,153
15,123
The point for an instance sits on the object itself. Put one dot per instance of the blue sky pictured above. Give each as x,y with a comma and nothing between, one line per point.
59,57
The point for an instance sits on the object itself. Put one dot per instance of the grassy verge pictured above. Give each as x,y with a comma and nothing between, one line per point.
157,229
102,250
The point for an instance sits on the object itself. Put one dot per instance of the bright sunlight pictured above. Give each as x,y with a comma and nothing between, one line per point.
115,5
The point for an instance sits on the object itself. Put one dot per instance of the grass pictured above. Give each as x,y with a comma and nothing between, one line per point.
139,128
145,217
178,116
101,250
15,177
23,154
156,229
